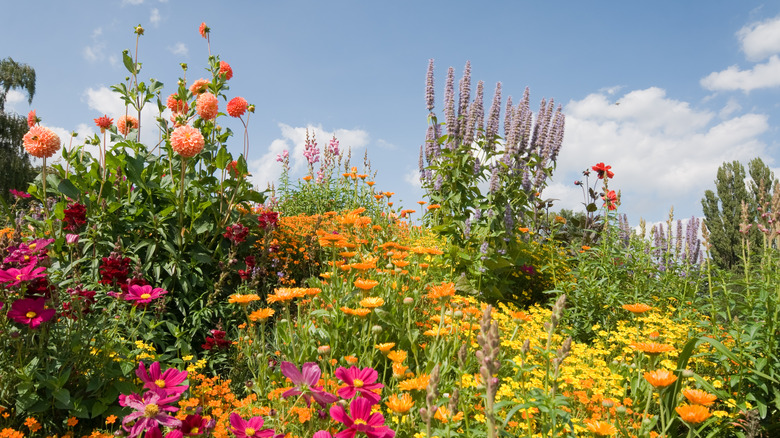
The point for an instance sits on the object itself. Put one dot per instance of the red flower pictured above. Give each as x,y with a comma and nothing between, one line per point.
236,233
114,270
218,340
601,169
30,311
225,69
75,216
104,123
204,30
237,106
268,219
611,200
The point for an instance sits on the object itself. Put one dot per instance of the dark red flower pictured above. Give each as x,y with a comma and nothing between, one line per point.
114,270
268,219
236,233
75,217
611,200
217,339
601,169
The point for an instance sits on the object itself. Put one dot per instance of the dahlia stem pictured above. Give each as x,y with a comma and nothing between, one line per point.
181,202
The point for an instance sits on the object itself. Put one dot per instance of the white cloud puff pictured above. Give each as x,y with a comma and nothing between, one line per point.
155,17
760,39
179,49
764,75
663,152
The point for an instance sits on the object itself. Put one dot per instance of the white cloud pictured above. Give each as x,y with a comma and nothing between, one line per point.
132,2
266,169
179,49
155,17
764,75
731,106
663,152
412,177
106,101
760,39
95,51
12,98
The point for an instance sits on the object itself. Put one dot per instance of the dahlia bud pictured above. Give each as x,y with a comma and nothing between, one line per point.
139,30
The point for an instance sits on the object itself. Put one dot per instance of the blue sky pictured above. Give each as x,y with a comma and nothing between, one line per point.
664,92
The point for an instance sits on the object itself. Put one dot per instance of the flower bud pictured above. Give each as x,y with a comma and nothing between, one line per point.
377,329
408,301
323,349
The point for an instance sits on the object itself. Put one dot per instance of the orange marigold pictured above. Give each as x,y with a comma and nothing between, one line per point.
441,291
187,141
660,378
397,356
243,299
41,142
372,302
385,347
637,308
261,314
400,404
365,284
415,383
699,397
693,414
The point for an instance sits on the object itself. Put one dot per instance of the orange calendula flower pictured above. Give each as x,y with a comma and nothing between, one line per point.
520,316
600,428
441,291
433,207
72,421
397,356
699,397
285,294
365,284
261,314
307,178
361,312
637,308
352,360
389,194
370,183
372,302
415,383
399,370
693,414
652,347
385,347
523,230
243,299
660,378
400,404
444,415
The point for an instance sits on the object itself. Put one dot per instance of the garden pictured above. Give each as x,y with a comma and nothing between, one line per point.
151,290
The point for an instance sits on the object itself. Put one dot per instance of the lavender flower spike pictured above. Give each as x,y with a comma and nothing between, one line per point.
429,98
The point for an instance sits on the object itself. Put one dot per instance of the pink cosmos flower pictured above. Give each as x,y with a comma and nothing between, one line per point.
150,411
358,380
305,382
322,434
41,142
17,194
187,141
362,420
169,381
237,107
28,253
207,106
225,69
30,311
156,433
27,273
242,428
143,294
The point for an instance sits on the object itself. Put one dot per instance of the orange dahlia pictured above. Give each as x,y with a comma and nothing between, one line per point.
207,106
41,142
187,141
225,69
104,123
637,308
32,119
199,86
693,414
601,428
176,104
660,378
237,107
699,397
204,30
125,123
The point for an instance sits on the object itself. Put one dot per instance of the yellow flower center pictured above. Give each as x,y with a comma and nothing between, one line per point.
151,410
146,296
357,383
160,383
249,431
194,431
19,277
359,421
30,315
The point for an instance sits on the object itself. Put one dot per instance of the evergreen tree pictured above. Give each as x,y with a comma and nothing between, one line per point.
723,211
17,172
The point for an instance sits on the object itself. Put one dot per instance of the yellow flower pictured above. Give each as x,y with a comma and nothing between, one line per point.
400,404
386,347
372,302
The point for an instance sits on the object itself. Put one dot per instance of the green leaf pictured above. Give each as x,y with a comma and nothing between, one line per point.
128,61
62,396
223,157
67,188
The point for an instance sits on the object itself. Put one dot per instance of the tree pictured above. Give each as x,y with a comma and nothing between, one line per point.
18,172
723,211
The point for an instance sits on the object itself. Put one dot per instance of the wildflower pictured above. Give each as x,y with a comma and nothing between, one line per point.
176,104
236,233
237,107
30,311
399,370
441,291
433,207
32,119
602,170
372,302
699,397
143,294
352,360
261,314
75,216
305,382
217,339
204,30
104,123
16,276
660,378
601,428
693,414
18,195
41,142
125,123
248,428
610,200
169,381
187,141
385,347
444,415
225,69
111,419
150,411
397,356
207,106
361,420
637,308
285,294
199,86
365,284
32,424
400,404
415,383
359,380
652,348
72,421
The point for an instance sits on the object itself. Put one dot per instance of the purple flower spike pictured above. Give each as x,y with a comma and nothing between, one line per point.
305,382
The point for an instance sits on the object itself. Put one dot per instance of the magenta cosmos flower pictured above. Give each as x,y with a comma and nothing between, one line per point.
27,273
305,382
156,433
169,381
358,380
150,411
30,311
143,294
248,428
362,420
